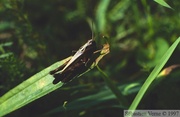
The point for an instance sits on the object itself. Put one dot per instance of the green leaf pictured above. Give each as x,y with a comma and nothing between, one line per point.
153,75
35,87
163,3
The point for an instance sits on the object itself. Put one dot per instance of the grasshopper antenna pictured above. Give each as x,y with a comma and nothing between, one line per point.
92,30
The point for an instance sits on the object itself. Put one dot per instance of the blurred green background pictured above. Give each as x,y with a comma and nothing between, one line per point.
35,34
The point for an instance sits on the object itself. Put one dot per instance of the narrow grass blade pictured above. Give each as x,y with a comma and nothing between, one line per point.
153,75
163,3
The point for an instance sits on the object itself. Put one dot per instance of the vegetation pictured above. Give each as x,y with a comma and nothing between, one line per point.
36,34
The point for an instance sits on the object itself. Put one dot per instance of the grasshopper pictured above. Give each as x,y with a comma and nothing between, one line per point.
78,64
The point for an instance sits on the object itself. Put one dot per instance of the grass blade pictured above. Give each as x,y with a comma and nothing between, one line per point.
153,75
35,87
163,3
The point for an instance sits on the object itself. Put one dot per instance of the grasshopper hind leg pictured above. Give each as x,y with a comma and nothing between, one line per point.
58,69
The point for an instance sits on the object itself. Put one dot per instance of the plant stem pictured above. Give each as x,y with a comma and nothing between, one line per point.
113,88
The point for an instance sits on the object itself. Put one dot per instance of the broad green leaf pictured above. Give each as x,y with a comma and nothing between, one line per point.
153,75
163,3
35,87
